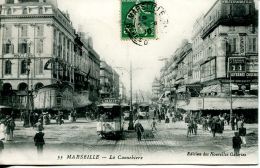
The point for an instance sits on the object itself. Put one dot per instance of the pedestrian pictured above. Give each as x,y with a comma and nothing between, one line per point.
154,123
2,146
167,120
39,125
189,128
139,130
2,130
222,122
236,121
8,136
232,122
236,140
12,127
39,141
242,134
239,123
214,127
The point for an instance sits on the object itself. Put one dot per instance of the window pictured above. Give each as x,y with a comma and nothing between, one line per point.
9,1
8,31
24,30
25,11
252,46
231,9
9,11
233,45
23,48
23,67
39,47
39,67
40,10
40,29
8,67
8,48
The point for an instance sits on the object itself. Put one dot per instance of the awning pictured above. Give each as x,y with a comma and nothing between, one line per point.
210,89
224,103
195,104
218,103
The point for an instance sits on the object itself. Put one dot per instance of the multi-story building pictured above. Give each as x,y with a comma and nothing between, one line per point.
109,81
156,89
222,68
122,92
40,47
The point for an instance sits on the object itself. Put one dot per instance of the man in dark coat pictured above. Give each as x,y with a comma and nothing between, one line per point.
139,130
1,146
39,141
236,143
242,134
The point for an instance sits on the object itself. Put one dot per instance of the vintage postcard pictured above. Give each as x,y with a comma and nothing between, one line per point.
129,82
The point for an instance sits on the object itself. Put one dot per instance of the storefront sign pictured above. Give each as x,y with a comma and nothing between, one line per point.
243,74
237,65
236,1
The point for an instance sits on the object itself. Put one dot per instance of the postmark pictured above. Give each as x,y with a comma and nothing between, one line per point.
142,21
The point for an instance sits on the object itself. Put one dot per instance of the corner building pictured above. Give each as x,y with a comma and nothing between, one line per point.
39,48
228,31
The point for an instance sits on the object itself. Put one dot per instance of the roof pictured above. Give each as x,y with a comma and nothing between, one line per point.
218,103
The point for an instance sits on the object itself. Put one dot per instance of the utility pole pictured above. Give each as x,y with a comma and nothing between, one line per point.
131,117
231,98
27,115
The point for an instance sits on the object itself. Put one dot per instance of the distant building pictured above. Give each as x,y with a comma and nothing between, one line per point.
122,92
109,81
156,89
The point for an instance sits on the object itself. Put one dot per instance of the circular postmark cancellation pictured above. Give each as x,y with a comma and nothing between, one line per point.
144,21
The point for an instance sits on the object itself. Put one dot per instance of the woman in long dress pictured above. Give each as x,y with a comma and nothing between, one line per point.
2,130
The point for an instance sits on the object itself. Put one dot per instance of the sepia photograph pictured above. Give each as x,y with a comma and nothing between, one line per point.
129,82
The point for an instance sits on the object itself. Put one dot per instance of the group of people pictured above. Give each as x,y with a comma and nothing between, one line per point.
7,127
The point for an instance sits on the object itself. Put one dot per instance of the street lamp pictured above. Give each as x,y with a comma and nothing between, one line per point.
131,115
27,121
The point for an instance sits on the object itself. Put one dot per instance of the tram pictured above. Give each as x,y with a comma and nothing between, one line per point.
110,119
143,110
126,111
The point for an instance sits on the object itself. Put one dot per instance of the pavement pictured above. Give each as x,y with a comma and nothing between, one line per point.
169,145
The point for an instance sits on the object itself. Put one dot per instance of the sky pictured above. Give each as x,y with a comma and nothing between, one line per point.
100,19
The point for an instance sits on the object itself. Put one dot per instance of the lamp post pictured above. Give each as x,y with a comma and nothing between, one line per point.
27,121
131,116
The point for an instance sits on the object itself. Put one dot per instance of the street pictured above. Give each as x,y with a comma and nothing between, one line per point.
68,143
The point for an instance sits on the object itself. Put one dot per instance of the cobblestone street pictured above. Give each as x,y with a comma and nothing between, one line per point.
63,142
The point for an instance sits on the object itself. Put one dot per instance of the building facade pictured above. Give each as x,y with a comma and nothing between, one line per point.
40,47
109,81
221,63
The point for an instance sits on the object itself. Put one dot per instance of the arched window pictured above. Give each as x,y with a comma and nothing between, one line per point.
9,11
8,67
40,10
23,67
25,11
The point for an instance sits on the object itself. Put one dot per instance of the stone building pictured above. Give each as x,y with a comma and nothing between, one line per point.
221,72
40,47
109,81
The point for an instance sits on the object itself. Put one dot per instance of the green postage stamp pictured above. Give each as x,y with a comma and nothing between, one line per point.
138,20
